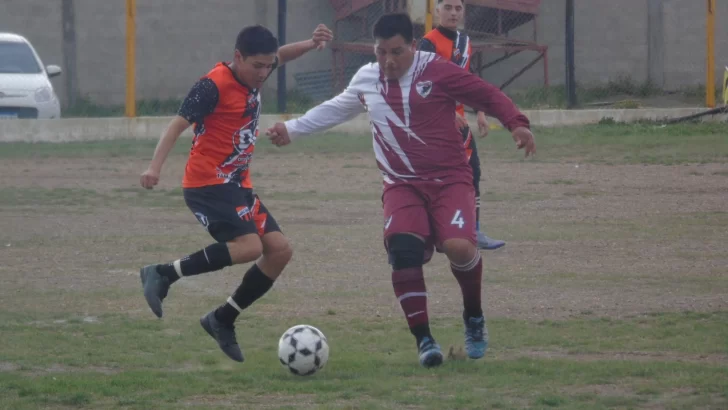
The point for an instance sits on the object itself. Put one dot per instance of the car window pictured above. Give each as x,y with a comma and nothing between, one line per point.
17,58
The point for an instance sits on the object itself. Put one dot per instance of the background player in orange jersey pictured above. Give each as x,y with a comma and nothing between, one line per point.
451,44
224,105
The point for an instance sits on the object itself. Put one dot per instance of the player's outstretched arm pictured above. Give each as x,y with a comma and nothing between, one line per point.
176,127
472,91
200,102
335,111
331,113
289,52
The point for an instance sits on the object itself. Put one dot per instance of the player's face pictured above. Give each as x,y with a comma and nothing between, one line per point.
394,55
253,70
451,13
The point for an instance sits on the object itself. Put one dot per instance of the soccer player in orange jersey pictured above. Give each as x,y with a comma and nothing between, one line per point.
224,106
449,43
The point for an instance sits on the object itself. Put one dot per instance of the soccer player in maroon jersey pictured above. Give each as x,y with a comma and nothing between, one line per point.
428,197
449,43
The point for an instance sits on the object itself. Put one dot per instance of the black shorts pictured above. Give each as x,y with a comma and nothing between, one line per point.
228,211
471,150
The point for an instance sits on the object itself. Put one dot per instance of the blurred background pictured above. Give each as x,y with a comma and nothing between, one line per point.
626,53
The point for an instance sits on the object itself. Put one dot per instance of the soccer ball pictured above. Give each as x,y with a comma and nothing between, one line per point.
303,349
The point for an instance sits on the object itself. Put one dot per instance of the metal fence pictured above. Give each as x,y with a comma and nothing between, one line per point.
626,53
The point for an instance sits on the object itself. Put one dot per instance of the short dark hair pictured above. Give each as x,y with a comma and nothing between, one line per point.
389,25
440,1
255,40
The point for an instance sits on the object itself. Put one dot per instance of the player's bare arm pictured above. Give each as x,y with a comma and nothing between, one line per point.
200,101
176,127
321,36
460,121
482,124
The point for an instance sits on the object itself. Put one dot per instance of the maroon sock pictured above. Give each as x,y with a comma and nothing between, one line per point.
409,287
469,278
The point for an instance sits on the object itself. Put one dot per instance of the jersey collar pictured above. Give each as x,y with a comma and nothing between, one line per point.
450,34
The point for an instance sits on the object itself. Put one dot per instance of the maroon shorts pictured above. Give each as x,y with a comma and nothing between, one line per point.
433,210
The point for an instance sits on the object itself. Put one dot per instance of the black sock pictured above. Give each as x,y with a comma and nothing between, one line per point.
255,284
421,331
210,259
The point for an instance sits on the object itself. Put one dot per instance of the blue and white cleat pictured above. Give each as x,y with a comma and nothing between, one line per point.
476,337
489,244
430,353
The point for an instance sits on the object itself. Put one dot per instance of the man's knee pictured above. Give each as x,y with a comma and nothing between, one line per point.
276,246
405,251
283,252
459,250
246,248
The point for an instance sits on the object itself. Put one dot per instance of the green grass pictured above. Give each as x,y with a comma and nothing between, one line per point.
73,199
297,102
75,332
603,144
622,92
622,144
142,363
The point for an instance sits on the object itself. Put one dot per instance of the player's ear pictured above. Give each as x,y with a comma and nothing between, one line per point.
413,46
239,56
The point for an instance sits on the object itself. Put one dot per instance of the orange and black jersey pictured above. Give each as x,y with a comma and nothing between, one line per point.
451,45
226,114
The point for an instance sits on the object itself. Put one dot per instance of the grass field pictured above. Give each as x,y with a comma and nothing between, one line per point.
611,293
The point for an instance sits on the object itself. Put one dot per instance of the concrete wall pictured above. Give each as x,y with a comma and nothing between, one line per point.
179,40
612,40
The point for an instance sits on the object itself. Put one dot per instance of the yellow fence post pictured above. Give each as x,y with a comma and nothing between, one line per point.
130,58
710,56
428,15
725,86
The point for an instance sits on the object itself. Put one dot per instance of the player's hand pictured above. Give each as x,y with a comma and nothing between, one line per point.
482,124
278,134
460,122
321,36
524,140
149,178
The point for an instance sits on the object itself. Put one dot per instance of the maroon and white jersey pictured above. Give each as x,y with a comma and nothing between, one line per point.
413,118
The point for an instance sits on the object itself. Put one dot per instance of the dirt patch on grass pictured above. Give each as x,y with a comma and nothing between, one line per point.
635,239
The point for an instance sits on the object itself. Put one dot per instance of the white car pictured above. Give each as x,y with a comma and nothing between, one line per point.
25,87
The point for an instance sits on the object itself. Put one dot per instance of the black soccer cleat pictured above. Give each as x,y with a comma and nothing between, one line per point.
224,335
155,287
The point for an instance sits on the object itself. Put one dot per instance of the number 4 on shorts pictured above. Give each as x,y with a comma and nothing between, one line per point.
458,219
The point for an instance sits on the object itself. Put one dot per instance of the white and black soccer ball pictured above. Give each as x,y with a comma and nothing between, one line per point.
303,349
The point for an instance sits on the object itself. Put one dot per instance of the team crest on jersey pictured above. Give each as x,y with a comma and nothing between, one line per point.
424,88
245,137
